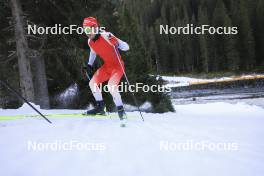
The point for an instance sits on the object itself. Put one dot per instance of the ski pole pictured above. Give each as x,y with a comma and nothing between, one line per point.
133,95
88,77
5,84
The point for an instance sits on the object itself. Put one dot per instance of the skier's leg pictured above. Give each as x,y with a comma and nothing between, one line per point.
99,77
113,87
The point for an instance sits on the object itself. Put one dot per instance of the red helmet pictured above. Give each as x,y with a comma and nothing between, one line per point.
89,22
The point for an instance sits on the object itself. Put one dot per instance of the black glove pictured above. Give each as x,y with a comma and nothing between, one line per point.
88,71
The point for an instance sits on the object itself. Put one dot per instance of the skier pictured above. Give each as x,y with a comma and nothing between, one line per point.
106,45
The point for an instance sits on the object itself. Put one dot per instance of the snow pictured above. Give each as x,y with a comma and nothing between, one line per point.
25,109
174,81
69,92
140,148
66,97
232,99
147,107
178,81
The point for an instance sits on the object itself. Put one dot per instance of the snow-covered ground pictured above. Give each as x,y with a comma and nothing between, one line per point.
200,139
233,99
179,81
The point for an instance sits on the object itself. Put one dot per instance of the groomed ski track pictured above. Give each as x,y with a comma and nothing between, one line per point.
136,149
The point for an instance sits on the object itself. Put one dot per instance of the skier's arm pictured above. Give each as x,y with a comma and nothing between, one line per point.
117,42
88,68
122,45
92,57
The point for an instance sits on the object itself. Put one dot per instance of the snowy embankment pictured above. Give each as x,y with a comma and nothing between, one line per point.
165,144
176,81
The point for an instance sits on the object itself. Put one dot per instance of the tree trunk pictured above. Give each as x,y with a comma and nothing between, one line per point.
40,82
26,82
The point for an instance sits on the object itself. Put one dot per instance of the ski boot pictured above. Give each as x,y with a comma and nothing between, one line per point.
98,110
122,115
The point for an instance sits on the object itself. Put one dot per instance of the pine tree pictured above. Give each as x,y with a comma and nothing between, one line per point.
153,51
246,42
227,55
203,40
260,33
187,44
26,79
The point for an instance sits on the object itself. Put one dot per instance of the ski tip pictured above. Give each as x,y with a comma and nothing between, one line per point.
123,123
